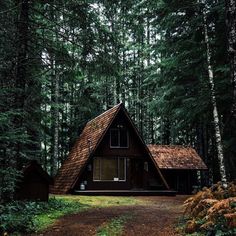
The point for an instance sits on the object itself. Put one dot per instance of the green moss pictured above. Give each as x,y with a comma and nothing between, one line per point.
72,204
101,201
50,215
114,227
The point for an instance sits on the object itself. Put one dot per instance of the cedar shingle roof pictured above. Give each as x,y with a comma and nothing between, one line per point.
176,157
83,147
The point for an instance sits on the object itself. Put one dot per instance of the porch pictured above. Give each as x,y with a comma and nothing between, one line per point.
134,192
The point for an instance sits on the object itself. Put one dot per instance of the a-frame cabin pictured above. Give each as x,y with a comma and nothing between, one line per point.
109,155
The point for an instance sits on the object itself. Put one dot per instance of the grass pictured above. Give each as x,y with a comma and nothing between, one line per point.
48,217
23,216
101,201
114,227
74,204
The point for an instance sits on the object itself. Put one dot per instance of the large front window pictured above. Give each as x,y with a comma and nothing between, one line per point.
109,169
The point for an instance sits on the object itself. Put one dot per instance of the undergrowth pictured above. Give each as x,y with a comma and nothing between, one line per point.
211,212
27,216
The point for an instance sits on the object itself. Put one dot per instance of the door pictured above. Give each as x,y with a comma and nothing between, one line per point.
137,166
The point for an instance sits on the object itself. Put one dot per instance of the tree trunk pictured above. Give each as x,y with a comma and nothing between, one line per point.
231,27
55,103
213,98
165,131
55,119
230,124
21,74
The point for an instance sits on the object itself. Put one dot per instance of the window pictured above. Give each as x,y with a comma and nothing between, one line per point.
109,169
114,139
118,138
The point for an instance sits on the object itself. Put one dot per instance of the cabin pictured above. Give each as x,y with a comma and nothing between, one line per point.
179,166
34,184
110,156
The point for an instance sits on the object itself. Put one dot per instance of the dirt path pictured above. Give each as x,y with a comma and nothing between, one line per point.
157,217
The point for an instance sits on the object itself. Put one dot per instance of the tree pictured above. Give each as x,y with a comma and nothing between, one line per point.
213,97
64,62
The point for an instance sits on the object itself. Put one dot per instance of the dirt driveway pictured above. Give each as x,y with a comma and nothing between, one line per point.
156,217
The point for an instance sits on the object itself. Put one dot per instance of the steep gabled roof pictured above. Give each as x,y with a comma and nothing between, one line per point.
82,149
86,145
176,157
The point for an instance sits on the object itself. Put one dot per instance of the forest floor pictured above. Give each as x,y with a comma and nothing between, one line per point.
153,215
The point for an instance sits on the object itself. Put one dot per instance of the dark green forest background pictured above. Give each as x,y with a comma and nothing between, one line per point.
64,62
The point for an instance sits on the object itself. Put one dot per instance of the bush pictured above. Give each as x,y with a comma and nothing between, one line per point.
20,216
11,217
8,180
212,211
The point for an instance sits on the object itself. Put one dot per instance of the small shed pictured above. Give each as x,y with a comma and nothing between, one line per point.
179,165
34,184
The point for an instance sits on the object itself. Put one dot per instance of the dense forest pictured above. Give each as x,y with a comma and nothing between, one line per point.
172,63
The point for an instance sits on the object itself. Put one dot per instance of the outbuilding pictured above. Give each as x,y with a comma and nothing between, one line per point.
34,184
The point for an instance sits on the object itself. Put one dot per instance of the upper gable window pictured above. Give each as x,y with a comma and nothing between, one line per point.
119,137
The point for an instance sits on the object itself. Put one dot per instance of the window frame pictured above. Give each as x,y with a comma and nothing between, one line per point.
119,138
118,163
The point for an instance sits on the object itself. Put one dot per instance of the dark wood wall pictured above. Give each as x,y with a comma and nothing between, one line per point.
135,149
33,187
181,180
136,155
136,177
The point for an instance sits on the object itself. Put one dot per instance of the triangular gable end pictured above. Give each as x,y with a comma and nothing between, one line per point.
146,150
86,146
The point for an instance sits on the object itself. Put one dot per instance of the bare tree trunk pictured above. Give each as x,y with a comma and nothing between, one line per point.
213,98
56,124
45,143
230,123
55,104
55,119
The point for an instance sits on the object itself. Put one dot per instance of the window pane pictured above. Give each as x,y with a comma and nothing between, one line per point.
109,168
106,169
123,138
96,169
114,137
122,169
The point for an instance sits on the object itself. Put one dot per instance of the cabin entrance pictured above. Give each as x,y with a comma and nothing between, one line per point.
137,166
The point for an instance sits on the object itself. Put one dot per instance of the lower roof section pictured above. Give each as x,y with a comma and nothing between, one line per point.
176,157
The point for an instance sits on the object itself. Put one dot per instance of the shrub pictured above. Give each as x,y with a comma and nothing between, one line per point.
11,217
20,216
212,211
